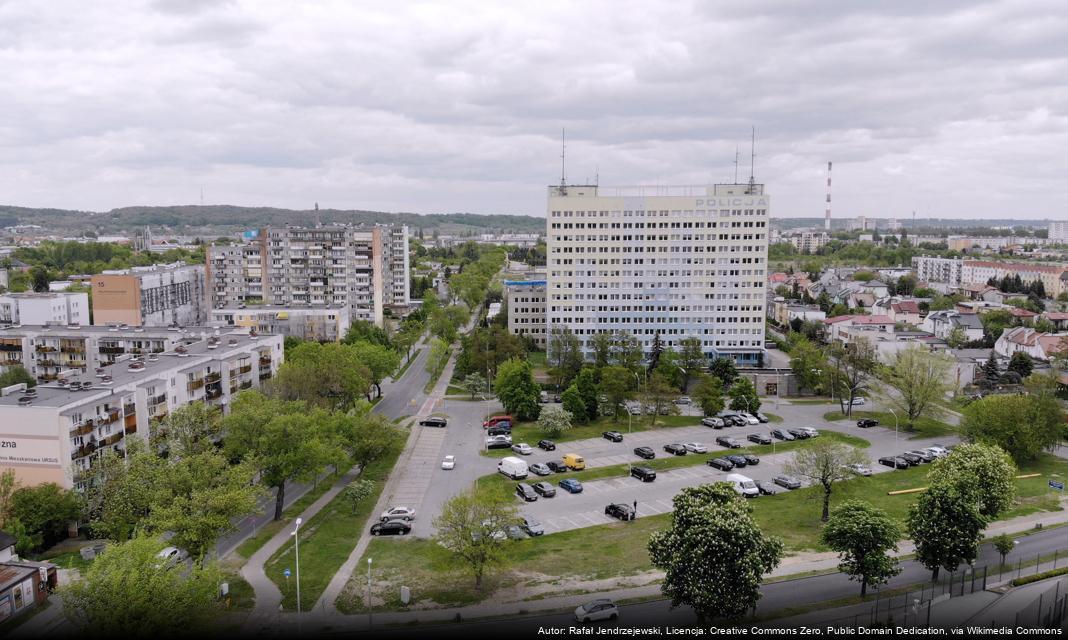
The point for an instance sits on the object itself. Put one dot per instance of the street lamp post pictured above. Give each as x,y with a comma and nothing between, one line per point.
370,607
895,422
296,543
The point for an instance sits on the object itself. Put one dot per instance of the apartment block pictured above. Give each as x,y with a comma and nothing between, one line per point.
365,269
1054,278
1058,232
44,308
934,269
322,324
59,428
155,296
675,261
807,241
526,309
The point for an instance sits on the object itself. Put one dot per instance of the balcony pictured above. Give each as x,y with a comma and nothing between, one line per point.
213,393
247,368
82,451
5,346
129,409
112,439
47,363
155,400
112,350
265,360
83,429
212,377
42,348
193,385
70,349
247,384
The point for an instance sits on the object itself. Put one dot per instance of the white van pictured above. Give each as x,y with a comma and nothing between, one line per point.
744,485
513,467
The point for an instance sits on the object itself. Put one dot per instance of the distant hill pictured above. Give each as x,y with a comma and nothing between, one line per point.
226,218
925,225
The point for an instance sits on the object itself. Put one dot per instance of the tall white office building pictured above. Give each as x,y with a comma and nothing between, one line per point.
675,261
1058,231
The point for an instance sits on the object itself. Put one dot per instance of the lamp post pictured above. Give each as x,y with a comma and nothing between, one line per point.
369,604
296,543
895,422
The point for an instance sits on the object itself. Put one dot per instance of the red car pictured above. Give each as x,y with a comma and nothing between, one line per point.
495,419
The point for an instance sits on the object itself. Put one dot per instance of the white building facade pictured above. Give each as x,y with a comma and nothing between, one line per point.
675,261
44,308
934,269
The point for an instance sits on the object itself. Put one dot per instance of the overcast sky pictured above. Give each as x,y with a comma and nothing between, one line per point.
955,109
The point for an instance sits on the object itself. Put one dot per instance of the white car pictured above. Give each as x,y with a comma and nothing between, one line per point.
683,400
449,462
859,469
522,449
172,554
858,401
750,418
936,451
597,610
398,513
696,447
812,433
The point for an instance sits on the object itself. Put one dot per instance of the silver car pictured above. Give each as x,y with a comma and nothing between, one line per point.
696,447
597,610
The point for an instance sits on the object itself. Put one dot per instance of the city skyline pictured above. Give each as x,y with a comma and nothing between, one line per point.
956,111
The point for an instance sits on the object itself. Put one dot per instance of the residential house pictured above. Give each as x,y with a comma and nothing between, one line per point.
902,310
942,324
1038,345
1058,318
845,329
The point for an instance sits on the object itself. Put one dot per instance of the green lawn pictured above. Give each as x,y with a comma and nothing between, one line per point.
252,545
924,427
326,541
69,560
503,486
812,401
773,418
436,374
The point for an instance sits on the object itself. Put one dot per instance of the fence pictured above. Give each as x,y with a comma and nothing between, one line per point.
1047,610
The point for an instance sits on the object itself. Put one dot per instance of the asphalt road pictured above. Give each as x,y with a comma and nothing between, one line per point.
775,596
403,397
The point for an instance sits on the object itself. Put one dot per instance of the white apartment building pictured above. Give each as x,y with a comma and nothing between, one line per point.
526,309
1054,278
322,324
366,269
44,308
58,428
807,241
675,261
157,296
934,269
1058,231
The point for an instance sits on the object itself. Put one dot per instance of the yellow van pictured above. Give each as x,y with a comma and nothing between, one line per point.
574,462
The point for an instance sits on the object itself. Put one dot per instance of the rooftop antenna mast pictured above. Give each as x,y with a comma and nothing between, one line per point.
735,164
563,161
752,162
827,215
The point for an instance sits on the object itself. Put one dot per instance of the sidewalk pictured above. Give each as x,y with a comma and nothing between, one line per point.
268,597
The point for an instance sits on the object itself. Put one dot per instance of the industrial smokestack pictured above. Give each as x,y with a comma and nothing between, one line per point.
827,215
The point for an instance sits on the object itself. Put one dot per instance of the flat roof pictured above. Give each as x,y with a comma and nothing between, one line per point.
96,329
279,307
50,394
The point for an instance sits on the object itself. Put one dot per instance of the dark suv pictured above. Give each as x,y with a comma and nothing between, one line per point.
547,445
500,429
433,421
619,511
645,452
526,492
730,443
864,423
613,436
645,474
675,449
722,464
758,438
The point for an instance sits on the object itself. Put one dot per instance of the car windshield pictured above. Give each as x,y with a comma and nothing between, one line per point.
749,484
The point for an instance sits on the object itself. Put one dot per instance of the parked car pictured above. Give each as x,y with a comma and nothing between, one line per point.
522,449
937,451
398,513
620,512
499,442
788,482
574,461
683,400
448,463
762,418
391,528
526,492
737,460
544,489
751,459
923,454
743,485
858,401
645,474
500,429
540,469
613,436
634,410
597,610
749,418
730,443
172,555
546,445
766,487
798,434
645,452
865,423
675,449
571,485
532,526
513,467
722,464
557,467
859,469
758,438
515,532
543,396
433,421
696,447
809,431
910,458
495,419
782,434
894,462
715,423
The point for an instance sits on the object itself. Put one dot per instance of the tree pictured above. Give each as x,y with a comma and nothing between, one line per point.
586,384
357,491
365,437
713,554
983,473
128,591
39,277
44,510
564,356
380,362
851,370
326,375
468,527
615,387
283,440
658,394
1004,544
1023,426
946,527
691,358
8,486
16,374
573,403
957,338
475,384
367,331
744,396
407,338
516,389
919,378
188,430
1021,364
654,351
439,356
708,393
990,368
808,364
724,369
602,349
119,490
994,322
863,535
554,420
825,462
